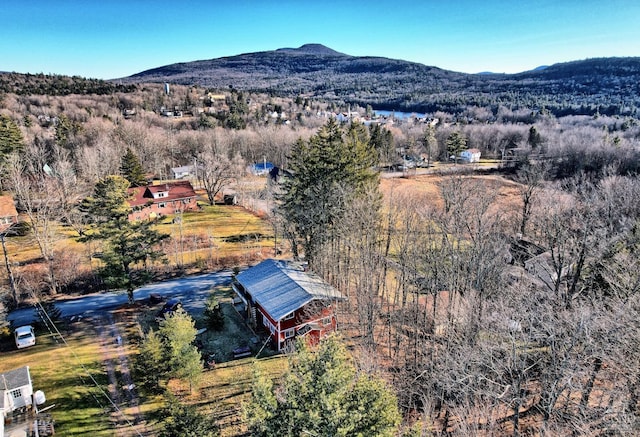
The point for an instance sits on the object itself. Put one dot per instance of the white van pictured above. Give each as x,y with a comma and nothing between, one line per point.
25,336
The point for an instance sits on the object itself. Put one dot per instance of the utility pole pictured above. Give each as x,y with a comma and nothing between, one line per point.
12,281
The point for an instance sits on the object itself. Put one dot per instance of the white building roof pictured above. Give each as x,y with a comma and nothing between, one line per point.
280,288
12,380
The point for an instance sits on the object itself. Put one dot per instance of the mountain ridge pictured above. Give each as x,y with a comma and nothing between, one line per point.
317,49
592,86
313,48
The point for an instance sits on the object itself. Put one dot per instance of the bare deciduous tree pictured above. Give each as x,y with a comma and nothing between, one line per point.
35,191
530,177
216,170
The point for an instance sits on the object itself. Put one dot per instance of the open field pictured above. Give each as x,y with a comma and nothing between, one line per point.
64,373
425,187
217,236
216,233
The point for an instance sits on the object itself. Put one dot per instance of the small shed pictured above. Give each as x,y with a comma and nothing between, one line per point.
470,155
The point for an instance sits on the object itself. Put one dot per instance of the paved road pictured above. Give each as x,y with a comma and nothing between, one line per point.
192,291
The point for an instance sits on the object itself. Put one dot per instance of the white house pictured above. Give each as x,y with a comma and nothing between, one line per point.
183,172
470,155
16,392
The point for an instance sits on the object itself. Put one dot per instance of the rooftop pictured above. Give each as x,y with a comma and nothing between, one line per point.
13,379
176,191
281,287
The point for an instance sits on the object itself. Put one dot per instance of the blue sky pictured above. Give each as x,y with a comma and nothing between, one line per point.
115,38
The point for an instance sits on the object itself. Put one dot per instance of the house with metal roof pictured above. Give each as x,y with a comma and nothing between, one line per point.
287,301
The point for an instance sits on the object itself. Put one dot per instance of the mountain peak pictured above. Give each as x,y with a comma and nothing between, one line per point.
313,49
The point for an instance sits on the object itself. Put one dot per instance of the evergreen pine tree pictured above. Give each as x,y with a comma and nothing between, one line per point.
322,394
456,143
131,169
150,363
213,314
11,139
330,171
178,333
126,244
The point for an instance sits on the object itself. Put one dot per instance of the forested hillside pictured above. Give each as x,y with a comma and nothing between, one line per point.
608,86
57,85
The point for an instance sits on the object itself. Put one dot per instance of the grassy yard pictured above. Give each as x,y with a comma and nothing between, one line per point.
215,233
224,390
217,236
220,229
62,373
225,387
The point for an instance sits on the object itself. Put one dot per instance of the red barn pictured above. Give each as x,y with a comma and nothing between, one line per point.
288,302
162,199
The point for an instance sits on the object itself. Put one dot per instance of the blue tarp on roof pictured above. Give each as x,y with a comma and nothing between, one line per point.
280,288
262,167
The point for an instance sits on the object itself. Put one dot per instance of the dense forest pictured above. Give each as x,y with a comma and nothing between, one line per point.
487,316
57,85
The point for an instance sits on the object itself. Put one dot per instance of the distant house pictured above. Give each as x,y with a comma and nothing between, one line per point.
185,171
128,113
287,302
261,168
8,213
163,199
543,268
470,155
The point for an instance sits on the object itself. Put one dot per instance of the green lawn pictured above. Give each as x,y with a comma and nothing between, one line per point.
224,388
62,373
216,233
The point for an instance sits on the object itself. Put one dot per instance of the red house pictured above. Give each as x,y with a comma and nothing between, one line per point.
8,213
157,200
287,302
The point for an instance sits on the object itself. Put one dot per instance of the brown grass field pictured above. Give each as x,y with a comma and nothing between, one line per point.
217,236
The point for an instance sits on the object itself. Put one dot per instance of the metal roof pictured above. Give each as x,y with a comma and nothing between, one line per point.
13,379
280,288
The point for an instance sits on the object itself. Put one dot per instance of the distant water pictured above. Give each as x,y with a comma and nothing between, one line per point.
398,114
